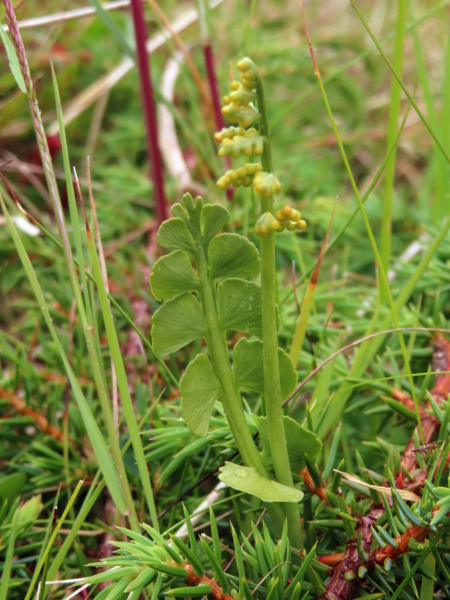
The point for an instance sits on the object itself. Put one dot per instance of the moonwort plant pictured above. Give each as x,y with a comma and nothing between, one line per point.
205,283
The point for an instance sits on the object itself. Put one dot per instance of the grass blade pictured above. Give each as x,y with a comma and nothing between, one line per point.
122,381
394,111
56,529
95,435
300,330
4,583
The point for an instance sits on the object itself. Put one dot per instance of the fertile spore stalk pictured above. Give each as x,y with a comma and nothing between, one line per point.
244,139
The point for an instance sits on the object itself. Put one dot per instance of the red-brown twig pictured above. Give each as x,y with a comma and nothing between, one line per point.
38,418
216,590
149,110
320,491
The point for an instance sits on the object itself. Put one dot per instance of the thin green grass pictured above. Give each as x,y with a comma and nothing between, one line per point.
394,112
384,284
391,68
4,583
46,550
105,462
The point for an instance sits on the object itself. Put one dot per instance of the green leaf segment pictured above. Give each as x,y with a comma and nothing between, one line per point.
207,303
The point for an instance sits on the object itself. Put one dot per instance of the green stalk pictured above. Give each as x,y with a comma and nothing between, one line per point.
95,489
358,58
87,316
272,388
9,557
118,473
394,111
442,207
438,166
365,197
216,345
300,330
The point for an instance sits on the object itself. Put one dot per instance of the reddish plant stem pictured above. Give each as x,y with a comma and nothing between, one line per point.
320,491
38,418
216,590
215,95
213,85
339,586
149,110
331,559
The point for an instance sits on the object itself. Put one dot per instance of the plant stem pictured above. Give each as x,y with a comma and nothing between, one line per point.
272,388
394,111
148,108
231,401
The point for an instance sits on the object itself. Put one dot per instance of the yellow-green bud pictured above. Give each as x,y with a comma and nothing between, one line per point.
266,184
242,145
253,168
246,64
276,225
290,218
237,177
242,95
263,224
227,133
224,182
243,115
248,72
288,213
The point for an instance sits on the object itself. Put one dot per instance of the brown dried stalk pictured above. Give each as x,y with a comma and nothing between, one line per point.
344,579
319,491
40,421
44,150
216,590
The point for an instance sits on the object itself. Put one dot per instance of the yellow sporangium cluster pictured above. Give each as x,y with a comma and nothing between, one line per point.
235,141
285,218
248,72
238,107
240,94
241,139
290,218
266,184
241,176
